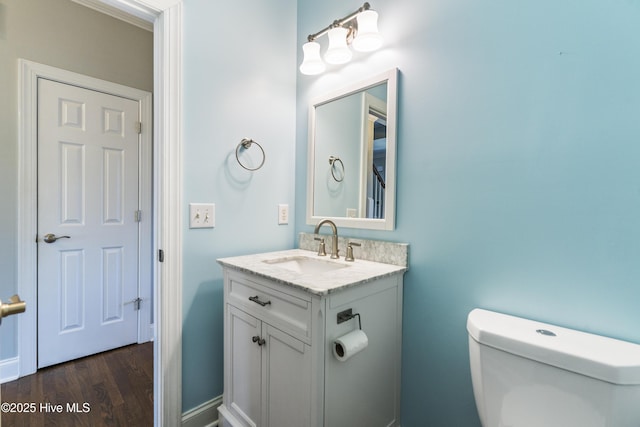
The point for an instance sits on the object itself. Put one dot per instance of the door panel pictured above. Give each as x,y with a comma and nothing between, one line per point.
243,398
71,290
72,166
287,396
88,153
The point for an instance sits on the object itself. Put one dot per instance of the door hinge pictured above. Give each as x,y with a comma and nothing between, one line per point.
160,255
136,303
139,127
138,216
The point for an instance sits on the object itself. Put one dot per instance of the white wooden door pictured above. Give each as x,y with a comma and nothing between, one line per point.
88,149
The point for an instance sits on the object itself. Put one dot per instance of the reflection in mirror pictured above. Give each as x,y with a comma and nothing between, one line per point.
351,177
345,153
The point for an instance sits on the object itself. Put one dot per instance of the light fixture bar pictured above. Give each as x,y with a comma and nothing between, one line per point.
339,22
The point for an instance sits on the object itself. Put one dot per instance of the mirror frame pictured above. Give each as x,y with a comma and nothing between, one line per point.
389,77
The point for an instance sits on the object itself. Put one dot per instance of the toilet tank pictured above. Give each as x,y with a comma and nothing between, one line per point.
531,374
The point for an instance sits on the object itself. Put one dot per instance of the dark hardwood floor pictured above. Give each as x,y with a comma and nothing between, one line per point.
113,388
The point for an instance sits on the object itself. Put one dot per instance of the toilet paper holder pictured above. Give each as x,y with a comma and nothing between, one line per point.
348,314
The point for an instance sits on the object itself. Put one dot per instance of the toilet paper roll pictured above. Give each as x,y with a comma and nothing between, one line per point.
350,344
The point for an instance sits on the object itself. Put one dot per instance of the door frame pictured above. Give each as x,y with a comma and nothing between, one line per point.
30,73
166,16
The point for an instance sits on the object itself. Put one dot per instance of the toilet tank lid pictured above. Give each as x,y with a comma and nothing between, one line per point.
604,358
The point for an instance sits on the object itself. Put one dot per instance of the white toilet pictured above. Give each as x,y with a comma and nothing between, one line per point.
531,374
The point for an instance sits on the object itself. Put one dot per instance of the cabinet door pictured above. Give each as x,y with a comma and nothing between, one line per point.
287,380
244,363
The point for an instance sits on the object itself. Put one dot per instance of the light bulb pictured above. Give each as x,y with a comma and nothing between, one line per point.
368,37
312,63
338,52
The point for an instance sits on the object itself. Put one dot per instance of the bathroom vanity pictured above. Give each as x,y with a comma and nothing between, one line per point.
284,313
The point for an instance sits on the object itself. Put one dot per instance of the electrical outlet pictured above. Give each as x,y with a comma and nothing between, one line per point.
283,214
202,215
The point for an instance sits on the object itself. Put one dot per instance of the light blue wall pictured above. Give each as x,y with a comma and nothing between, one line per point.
518,172
338,133
239,81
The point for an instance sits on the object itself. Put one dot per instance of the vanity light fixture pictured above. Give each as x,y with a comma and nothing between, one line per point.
360,29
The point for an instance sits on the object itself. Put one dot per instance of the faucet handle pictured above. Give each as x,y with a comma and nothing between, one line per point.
321,247
349,256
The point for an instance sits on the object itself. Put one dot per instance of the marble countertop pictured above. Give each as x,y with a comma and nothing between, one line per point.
323,283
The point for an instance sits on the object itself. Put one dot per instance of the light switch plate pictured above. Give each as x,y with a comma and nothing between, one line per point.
202,215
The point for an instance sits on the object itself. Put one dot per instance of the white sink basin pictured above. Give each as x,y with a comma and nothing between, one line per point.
305,265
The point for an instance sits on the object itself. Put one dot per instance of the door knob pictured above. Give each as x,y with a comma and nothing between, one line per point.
14,306
50,238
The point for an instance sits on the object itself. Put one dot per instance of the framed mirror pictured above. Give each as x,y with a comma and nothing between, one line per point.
352,155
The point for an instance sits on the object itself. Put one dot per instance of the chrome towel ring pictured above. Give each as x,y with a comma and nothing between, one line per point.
246,144
332,161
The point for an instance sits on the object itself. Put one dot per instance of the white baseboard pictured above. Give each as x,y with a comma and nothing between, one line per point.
204,415
9,369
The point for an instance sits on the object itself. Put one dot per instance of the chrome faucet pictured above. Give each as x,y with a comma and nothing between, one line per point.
334,242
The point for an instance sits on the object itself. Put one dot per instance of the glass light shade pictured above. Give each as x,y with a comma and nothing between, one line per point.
312,63
368,37
338,52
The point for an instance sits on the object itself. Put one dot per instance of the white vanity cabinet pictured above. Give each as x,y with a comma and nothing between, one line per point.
267,370
279,365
